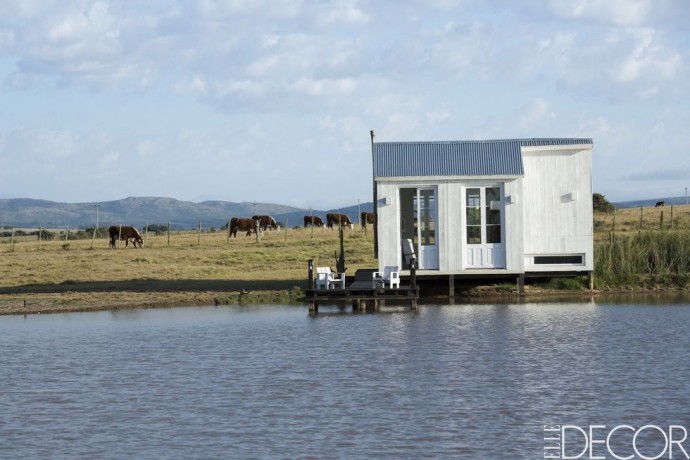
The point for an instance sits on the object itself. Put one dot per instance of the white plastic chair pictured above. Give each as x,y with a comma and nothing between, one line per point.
327,279
389,275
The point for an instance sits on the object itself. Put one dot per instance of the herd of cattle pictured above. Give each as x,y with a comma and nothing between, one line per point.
129,234
264,222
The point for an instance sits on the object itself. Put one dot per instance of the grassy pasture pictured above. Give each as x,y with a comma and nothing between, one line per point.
187,268
626,221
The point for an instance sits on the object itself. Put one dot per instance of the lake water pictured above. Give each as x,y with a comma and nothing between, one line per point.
464,381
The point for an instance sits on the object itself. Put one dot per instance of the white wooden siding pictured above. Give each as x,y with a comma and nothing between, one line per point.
558,213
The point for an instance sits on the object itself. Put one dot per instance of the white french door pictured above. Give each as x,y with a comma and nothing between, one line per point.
419,224
484,228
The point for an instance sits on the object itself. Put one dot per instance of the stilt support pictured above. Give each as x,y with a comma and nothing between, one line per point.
451,289
521,284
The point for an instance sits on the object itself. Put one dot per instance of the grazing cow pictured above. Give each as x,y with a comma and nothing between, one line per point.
366,218
659,204
126,233
339,219
266,222
246,225
314,221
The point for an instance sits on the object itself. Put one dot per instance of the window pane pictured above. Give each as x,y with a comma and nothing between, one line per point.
492,194
473,197
474,216
474,234
427,211
493,217
493,233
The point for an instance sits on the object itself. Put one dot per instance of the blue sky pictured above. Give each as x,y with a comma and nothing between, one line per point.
273,100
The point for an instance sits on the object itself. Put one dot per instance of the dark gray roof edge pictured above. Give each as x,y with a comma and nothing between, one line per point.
525,141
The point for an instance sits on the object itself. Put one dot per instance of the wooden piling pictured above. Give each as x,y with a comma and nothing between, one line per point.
521,284
451,289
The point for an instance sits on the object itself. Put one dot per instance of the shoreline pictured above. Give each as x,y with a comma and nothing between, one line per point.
30,302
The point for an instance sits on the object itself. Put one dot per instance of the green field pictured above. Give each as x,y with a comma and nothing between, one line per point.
182,268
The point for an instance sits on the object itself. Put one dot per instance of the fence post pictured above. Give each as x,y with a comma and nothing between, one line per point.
258,230
671,216
168,233
640,217
198,235
40,231
286,228
661,221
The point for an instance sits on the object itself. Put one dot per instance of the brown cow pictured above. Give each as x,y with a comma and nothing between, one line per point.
246,225
340,219
366,218
659,204
266,222
126,233
313,221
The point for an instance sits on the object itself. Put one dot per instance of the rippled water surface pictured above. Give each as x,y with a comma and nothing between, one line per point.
465,381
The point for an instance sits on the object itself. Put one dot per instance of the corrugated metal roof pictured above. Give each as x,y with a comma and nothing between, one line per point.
457,158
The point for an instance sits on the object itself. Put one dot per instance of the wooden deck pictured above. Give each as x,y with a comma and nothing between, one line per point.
363,293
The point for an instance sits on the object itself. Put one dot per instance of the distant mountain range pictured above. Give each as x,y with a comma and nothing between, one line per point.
138,211
644,203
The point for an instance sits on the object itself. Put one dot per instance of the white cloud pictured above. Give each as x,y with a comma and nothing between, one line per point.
49,144
342,11
534,115
647,59
622,12
324,86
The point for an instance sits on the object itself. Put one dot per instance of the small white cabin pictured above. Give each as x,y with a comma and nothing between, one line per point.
509,207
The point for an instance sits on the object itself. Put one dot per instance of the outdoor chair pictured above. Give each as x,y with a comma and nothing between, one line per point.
327,279
390,275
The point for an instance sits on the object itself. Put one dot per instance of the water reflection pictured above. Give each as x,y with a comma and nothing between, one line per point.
465,381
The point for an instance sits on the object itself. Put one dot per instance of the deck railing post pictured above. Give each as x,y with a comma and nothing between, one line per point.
310,273
413,271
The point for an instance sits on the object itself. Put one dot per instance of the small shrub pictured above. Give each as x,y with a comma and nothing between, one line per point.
565,284
506,287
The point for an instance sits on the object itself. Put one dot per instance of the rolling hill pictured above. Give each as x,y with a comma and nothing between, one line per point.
678,200
138,211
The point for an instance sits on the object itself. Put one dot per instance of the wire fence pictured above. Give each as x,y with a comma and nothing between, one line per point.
642,218
156,235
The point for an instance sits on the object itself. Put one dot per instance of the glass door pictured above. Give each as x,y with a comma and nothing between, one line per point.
484,227
418,217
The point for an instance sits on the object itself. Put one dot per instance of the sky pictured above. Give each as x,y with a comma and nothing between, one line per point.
272,101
